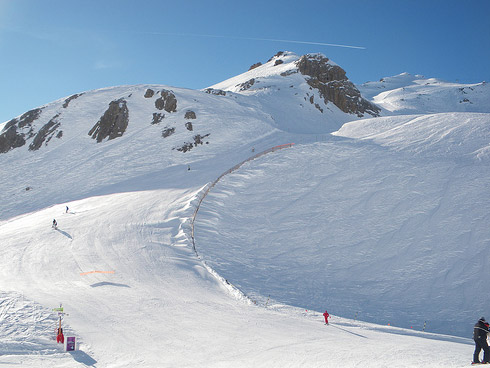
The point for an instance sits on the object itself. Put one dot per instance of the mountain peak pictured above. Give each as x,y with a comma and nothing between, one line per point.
286,69
334,86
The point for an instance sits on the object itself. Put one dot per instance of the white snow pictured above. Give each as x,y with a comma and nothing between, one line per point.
414,94
384,222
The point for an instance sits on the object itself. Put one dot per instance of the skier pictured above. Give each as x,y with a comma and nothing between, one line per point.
55,224
60,338
480,336
66,209
326,315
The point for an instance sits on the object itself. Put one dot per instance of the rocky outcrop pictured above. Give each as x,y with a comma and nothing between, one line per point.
198,140
167,101
189,126
17,131
11,139
280,53
71,98
45,134
330,80
157,117
167,132
216,92
149,93
256,65
113,123
189,114
246,85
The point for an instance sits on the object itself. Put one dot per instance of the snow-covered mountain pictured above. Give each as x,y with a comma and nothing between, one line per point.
383,221
414,94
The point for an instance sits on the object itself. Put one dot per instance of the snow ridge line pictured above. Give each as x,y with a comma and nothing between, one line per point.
233,289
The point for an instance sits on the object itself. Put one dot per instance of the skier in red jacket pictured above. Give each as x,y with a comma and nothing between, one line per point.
326,315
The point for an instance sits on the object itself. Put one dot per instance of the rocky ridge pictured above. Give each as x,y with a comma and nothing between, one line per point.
334,86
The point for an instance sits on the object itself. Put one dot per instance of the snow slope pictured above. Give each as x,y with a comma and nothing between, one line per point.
414,94
271,82
161,307
371,221
393,227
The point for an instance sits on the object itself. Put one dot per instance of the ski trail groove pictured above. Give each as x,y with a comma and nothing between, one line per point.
231,288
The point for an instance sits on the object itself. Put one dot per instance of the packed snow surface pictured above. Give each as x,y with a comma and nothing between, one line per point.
384,222
394,229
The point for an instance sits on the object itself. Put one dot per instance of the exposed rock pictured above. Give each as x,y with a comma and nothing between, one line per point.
256,65
190,115
11,138
278,62
71,98
280,53
46,133
168,132
167,101
330,80
157,117
198,139
113,123
189,126
149,93
27,119
216,92
246,85
289,72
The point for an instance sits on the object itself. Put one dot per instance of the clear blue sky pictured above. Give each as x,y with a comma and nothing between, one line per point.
50,49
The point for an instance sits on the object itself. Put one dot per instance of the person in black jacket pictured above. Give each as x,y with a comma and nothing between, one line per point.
480,336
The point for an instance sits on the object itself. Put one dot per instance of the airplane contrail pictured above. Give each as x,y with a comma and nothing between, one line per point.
256,39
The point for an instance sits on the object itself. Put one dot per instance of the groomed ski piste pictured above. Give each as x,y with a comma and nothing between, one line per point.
383,221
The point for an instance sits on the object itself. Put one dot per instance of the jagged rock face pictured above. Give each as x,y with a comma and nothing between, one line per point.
167,101
330,80
17,131
46,133
113,123
10,139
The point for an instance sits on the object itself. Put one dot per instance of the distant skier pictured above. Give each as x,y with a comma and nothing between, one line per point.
55,224
66,209
326,315
480,336
60,338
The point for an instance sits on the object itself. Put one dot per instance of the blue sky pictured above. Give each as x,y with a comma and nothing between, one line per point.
50,49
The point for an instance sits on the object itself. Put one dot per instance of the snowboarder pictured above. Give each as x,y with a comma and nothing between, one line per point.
326,315
55,224
60,338
480,336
